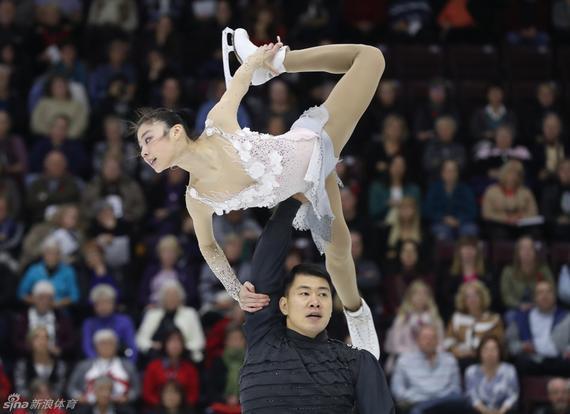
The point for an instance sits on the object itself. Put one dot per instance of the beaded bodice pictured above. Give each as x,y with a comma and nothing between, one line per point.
277,164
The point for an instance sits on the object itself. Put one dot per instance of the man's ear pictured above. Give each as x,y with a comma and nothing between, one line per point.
284,306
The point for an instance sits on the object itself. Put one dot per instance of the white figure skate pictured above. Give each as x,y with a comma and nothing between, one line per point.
243,48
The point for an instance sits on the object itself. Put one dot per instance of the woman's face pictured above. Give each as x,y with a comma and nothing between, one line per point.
168,256
450,172
503,138
106,348
174,346
171,398
113,130
472,300
419,298
171,299
551,129
409,255
407,211
546,95
393,129
387,94
468,253
397,167
59,89
527,254
490,353
70,218
511,179
104,307
157,145
40,341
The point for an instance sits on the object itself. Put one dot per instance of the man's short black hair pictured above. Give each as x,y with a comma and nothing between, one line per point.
306,269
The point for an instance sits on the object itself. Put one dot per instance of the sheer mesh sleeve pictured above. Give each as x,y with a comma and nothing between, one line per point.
219,264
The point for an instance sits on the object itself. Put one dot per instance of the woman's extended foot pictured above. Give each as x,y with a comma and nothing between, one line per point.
362,330
243,48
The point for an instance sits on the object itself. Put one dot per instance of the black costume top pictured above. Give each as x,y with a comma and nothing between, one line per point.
286,372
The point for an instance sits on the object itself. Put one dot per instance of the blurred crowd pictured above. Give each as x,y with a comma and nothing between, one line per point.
456,191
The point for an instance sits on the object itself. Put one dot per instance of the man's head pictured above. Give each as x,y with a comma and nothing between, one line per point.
55,164
308,299
544,296
558,394
428,340
445,127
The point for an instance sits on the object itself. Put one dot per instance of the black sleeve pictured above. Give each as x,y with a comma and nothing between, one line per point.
267,269
372,392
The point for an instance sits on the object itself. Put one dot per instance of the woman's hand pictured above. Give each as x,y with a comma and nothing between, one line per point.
250,301
264,55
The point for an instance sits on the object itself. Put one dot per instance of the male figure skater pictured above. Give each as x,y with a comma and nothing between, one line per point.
291,365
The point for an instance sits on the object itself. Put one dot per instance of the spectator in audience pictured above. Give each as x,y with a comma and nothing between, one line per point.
450,205
42,312
518,282
155,10
104,15
555,205
492,385
470,322
526,25
558,397
168,268
117,99
390,144
385,196
456,22
41,393
417,309
126,383
387,103
11,230
115,145
57,139
539,337
40,363
553,147
14,159
438,105
410,20
62,227
165,38
545,103
104,402
281,103
112,185
490,156
11,192
404,225
111,234
171,314
168,92
222,385
442,147
408,269
427,379
367,273
52,188
103,298
487,119
95,271
53,269
70,66
58,101
468,265
167,202
508,203
173,364
215,91
238,222
116,65
172,399
209,284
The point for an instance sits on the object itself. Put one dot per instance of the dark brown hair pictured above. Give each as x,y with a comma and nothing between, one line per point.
170,117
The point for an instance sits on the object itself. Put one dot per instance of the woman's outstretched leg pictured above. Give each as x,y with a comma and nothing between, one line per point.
362,67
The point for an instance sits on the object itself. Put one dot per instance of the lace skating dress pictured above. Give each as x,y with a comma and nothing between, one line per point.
298,161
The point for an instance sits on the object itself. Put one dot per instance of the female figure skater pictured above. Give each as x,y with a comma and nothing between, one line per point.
232,168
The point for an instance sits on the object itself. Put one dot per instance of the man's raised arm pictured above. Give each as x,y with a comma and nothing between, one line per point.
267,268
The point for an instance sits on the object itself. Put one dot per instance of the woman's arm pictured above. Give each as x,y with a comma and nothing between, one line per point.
224,113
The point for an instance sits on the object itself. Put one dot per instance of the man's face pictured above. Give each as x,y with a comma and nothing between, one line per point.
308,305
558,394
427,340
544,297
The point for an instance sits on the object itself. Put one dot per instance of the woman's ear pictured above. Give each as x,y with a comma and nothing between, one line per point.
283,306
176,131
